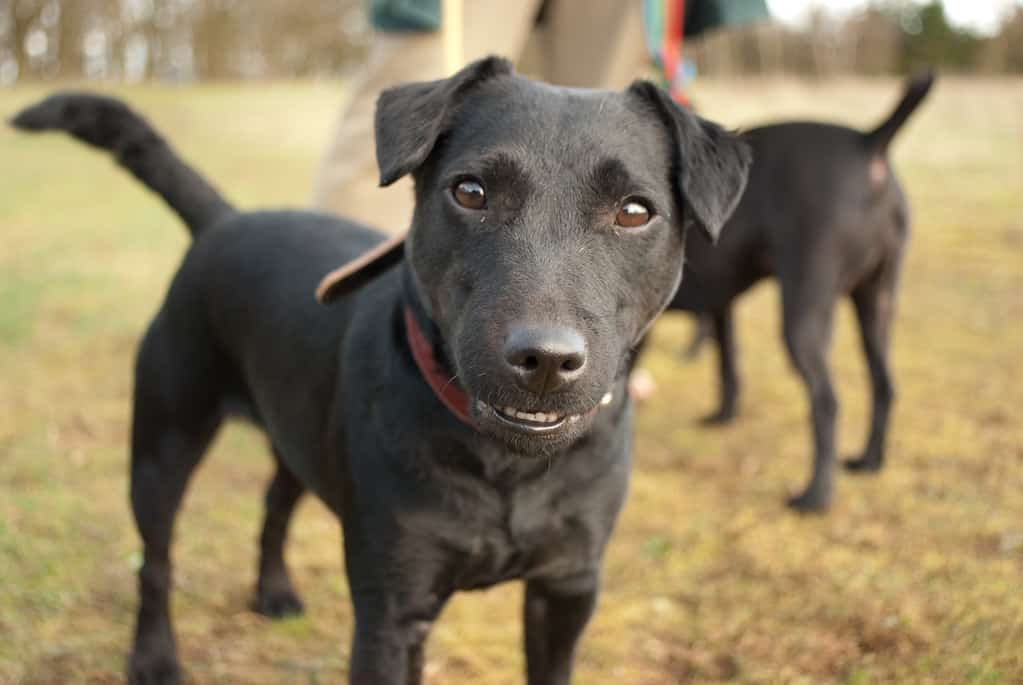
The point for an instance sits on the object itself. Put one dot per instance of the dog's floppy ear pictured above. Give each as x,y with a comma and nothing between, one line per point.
361,270
711,164
410,117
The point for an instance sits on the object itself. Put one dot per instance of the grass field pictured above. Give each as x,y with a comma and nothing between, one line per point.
915,576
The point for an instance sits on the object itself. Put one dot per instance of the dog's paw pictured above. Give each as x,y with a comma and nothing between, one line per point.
278,604
156,667
809,502
721,417
863,465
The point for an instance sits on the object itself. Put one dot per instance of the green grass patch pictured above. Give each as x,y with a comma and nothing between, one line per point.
914,577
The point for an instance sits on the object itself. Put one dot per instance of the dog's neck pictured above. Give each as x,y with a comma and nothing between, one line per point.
426,345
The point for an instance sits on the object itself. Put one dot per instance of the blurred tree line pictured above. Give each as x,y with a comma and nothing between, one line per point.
889,36
177,39
230,39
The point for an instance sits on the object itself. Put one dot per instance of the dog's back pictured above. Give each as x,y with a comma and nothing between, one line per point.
243,298
813,186
822,196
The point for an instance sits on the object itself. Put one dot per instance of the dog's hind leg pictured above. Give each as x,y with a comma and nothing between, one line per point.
875,304
176,414
808,310
701,332
724,335
275,595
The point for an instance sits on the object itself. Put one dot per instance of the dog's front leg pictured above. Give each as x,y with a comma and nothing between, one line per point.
555,615
389,640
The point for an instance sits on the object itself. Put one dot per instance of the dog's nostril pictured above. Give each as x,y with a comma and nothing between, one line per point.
573,362
530,363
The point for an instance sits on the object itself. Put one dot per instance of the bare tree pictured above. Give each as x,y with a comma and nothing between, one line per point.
231,39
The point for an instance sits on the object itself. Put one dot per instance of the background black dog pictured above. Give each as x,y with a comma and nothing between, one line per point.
464,412
824,213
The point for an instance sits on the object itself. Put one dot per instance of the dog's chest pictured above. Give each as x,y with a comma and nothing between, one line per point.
531,536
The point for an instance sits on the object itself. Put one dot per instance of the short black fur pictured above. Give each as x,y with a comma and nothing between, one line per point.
824,214
429,505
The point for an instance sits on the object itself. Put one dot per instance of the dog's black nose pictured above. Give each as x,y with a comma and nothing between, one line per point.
544,358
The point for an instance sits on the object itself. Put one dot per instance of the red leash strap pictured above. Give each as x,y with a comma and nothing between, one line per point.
444,387
671,47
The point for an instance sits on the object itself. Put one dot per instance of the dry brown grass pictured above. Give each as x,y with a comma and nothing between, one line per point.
915,576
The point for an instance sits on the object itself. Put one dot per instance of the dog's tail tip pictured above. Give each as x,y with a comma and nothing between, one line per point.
915,91
37,117
109,124
25,120
94,119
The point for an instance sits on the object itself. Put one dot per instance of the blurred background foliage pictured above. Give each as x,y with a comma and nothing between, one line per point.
177,40
190,40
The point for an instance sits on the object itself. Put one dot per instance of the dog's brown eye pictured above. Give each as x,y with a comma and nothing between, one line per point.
632,214
470,194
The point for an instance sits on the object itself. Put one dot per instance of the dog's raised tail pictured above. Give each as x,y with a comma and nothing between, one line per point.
916,90
107,123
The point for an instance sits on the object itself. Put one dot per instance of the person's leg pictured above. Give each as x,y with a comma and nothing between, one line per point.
591,43
346,182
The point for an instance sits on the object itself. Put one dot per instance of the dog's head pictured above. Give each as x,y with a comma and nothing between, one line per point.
548,232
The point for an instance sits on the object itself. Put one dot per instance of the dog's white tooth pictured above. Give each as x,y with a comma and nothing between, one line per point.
573,417
606,399
536,417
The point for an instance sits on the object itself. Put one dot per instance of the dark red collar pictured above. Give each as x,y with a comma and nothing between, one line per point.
445,387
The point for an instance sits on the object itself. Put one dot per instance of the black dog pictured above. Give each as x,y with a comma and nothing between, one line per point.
824,214
465,412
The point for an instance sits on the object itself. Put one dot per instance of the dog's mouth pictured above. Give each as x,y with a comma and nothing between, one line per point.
537,422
